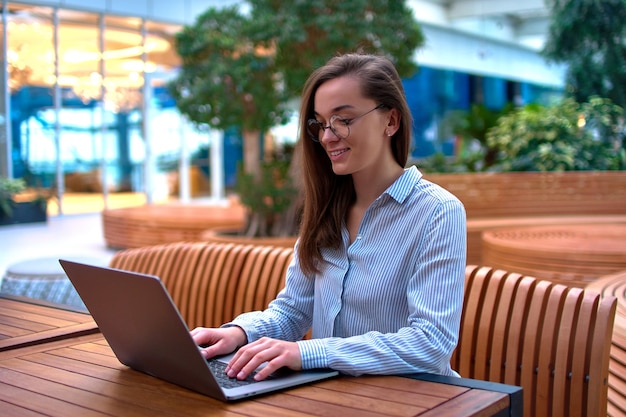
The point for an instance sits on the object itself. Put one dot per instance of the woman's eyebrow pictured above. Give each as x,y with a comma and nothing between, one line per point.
337,109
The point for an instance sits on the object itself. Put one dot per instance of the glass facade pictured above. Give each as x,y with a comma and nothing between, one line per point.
433,93
88,110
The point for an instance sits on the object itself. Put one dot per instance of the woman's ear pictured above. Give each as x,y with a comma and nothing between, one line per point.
393,122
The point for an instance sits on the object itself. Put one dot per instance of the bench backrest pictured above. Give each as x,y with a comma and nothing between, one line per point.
547,338
211,283
513,194
550,339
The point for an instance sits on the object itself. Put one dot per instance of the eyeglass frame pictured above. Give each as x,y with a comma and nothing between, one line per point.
333,118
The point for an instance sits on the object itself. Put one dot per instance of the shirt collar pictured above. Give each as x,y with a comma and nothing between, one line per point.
403,186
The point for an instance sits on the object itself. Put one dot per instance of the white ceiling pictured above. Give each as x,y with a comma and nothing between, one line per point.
525,22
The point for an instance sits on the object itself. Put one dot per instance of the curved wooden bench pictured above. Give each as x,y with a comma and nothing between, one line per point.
614,285
496,200
211,283
572,255
134,227
551,340
477,227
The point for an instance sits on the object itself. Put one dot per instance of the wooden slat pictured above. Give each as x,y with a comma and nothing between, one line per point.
614,285
211,283
553,341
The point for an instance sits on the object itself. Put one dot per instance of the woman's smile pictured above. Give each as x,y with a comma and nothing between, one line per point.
337,152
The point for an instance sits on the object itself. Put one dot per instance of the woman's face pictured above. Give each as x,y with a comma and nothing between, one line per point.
367,142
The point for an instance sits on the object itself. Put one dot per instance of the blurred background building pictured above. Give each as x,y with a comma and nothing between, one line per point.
85,108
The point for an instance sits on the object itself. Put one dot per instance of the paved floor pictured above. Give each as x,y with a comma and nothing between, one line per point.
74,236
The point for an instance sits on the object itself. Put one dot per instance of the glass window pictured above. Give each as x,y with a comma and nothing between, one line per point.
31,68
79,116
6,168
167,128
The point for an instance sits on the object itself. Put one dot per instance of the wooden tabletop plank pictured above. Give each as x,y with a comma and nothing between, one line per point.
291,402
74,340
472,403
34,402
25,323
392,388
399,384
9,330
16,410
360,402
40,314
348,388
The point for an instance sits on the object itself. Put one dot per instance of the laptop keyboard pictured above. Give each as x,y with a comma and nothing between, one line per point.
219,368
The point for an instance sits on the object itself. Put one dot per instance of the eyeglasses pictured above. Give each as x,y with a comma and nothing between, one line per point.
337,124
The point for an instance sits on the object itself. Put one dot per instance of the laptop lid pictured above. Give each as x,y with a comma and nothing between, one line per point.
145,330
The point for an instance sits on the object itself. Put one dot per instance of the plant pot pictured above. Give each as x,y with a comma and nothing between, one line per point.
229,235
26,212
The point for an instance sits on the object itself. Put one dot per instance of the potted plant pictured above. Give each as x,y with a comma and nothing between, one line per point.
19,204
272,202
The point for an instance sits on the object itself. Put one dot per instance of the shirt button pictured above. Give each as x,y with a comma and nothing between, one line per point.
359,236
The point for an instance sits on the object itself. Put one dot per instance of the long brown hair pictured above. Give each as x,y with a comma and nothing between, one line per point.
328,196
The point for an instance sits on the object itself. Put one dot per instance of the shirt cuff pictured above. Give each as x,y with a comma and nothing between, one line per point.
247,326
313,353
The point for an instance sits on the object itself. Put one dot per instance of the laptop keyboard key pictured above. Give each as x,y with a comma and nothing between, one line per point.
219,370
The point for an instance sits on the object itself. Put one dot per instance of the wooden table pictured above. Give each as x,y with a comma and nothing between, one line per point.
81,377
574,255
24,323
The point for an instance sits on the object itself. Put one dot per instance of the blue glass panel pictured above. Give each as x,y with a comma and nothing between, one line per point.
431,94
495,92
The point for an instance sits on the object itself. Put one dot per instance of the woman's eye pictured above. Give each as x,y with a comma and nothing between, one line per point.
345,122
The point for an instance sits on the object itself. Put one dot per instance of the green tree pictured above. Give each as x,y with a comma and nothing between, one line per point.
226,80
567,136
243,70
589,36
306,33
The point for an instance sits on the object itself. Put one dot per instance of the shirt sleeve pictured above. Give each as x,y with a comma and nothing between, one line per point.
289,316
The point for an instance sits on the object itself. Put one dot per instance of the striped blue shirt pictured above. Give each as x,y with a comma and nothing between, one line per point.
390,302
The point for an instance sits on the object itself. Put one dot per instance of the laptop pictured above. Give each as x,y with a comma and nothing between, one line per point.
145,330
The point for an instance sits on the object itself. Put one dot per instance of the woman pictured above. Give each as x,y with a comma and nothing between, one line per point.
378,270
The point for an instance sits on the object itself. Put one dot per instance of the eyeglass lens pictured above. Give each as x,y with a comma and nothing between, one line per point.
337,125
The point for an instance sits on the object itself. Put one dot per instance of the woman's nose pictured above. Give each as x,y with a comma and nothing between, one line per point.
328,135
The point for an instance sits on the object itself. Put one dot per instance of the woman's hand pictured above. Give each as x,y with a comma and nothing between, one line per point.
219,341
277,354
